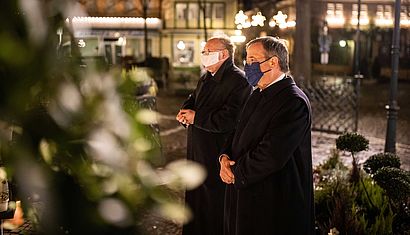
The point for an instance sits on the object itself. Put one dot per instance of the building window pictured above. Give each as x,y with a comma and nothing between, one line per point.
193,14
218,15
364,18
190,15
384,16
184,52
334,15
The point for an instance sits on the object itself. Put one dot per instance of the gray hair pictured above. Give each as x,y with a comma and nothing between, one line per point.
226,43
274,47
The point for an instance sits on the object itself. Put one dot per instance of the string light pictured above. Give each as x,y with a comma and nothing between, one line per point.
117,22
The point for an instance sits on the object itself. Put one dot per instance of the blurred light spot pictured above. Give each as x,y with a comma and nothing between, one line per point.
105,148
115,117
35,19
3,173
181,45
81,43
142,145
147,174
47,150
101,170
147,116
190,173
176,212
70,98
342,43
115,212
110,186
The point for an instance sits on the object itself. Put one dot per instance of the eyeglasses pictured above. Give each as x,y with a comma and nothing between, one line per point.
210,51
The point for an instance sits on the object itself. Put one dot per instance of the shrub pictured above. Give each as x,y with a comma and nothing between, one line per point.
395,181
377,161
352,142
345,206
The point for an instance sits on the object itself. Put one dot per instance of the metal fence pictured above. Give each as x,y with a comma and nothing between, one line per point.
335,103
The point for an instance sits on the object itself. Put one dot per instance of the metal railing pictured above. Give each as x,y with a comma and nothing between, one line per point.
335,103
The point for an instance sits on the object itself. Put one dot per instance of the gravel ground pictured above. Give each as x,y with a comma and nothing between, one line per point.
372,124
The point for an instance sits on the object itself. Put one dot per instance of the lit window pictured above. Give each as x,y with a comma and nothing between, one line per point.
187,15
334,17
384,16
364,19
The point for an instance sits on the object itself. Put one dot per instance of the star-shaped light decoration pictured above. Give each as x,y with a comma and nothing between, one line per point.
280,19
258,19
240,19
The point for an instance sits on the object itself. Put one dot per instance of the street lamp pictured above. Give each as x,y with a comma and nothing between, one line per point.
393,108
357,12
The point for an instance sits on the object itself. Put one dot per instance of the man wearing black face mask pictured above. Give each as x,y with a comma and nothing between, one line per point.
210,113
267,163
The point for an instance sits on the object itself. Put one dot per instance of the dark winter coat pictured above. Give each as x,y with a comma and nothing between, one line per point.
217,102
273,189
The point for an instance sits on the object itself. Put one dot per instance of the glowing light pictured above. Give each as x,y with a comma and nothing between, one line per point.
342,43
258,19
181,45
115,22
280,20
121,41
238,37
364,19
81,43
334,15
240,18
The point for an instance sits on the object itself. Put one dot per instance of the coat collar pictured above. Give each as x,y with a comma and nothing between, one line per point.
219,74
279,86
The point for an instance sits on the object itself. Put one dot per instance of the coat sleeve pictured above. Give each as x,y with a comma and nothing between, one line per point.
277,145
227,146
223,119
189,103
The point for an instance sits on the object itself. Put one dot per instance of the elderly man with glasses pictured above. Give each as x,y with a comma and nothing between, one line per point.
210,113
267,163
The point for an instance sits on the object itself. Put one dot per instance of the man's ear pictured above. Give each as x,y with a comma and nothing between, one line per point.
225,54
274,61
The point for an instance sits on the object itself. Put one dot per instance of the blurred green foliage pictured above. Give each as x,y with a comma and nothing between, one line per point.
74,148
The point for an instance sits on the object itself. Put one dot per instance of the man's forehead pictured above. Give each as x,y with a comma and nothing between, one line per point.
255,50
213,43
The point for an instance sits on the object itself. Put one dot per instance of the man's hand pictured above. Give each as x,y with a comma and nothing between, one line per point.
188,115
180,118
226,173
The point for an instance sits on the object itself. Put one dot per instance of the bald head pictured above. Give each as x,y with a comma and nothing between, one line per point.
223,42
